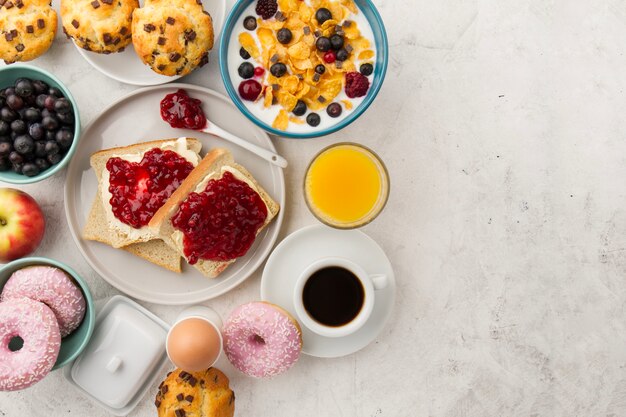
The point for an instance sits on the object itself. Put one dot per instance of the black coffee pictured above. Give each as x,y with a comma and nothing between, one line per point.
333,296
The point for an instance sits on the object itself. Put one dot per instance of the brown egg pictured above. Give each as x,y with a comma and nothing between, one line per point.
193,344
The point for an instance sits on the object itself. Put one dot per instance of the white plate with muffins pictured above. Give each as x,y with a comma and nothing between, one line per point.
144,43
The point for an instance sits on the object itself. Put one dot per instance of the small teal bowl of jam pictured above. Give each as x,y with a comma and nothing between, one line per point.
40,162
74,343
230,39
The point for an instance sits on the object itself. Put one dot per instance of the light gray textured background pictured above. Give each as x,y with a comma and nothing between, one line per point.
503,124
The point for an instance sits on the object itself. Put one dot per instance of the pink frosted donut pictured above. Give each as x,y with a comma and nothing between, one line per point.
52,287
262,339
36,325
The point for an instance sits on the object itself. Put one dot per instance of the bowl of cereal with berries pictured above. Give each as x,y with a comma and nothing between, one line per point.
303,68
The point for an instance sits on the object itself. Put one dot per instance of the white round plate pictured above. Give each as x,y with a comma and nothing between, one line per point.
305,246
126,66
135,118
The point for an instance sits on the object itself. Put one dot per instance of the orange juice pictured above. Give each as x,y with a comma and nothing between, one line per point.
346,185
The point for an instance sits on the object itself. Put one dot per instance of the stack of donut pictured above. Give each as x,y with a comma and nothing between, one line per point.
39,305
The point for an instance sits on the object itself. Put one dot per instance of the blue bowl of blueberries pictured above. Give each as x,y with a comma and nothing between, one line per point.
39,124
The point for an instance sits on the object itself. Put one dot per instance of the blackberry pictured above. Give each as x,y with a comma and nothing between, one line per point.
266,8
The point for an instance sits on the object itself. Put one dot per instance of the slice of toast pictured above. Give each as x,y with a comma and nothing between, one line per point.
97,228
211,165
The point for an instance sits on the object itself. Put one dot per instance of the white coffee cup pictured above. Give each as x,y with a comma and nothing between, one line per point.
370,283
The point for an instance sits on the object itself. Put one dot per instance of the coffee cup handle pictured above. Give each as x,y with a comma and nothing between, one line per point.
379,281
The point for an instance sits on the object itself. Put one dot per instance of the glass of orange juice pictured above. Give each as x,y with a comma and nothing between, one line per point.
346,185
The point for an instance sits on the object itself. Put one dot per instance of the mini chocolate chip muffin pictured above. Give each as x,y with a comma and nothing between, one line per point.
202,394
173,37
101,26
27,29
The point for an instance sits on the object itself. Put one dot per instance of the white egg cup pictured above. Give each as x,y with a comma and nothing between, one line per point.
203,313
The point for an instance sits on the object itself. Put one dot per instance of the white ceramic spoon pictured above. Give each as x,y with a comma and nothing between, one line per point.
270,156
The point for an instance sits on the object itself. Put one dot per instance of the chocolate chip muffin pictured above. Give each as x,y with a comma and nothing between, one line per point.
200,394
27,29
173,37
101,26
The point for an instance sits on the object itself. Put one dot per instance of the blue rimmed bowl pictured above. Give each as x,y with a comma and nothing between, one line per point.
74,343
380,68
8,75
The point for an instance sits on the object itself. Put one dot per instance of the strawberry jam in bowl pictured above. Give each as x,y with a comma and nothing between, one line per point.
220,221
139,189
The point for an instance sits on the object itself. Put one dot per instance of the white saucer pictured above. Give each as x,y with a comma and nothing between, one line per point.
299,250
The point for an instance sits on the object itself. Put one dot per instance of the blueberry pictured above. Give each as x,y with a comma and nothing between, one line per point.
15,102
4,128
30,169
15,158
46,113
18,126
243,53
55,158
40,101
24,144
4,164
313,119
249,23
278,69
36,131
52,147
49,102
64,138
50,123
53,91
17,167
8,115
366,69
323,14
66,118
30,100
9,91
322,44
284,36
300,108
32,114
50,135
334,109
62,105
40,86
42,164
342,55
40,149
320,69
23,87
5,148
336,42
246,70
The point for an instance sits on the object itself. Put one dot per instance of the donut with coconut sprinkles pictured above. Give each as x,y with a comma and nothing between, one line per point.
52,287
261,339
34,323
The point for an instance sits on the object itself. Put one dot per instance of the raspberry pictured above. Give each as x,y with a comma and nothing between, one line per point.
356,84
266,8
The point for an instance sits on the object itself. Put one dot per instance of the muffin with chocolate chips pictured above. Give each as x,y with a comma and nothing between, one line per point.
27,29
102,26
173,37
201,394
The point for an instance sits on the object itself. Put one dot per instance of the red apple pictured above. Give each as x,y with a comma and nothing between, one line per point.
21,224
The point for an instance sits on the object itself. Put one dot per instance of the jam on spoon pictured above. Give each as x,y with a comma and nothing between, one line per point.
182,111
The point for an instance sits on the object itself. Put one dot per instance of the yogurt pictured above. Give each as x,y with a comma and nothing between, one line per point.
269,114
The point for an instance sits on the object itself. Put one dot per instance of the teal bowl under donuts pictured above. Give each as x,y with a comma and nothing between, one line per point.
74,343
